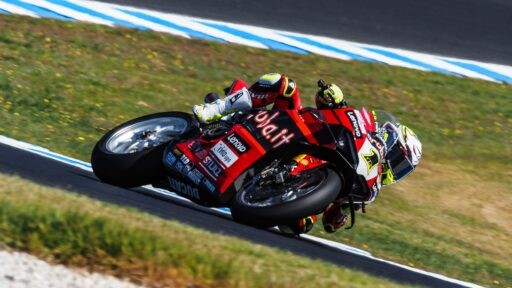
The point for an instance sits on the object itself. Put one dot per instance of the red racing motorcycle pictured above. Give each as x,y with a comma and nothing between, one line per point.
270,167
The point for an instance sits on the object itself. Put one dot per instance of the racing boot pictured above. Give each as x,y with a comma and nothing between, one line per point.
334,216
210,112
301,226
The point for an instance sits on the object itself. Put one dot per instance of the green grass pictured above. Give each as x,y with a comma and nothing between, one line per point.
62,85
77,231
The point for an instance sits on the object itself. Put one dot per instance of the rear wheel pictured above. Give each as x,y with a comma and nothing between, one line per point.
131,154
274,197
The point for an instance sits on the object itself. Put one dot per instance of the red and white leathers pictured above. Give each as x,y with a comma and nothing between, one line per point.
272,88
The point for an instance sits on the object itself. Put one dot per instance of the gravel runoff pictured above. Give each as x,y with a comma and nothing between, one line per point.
20,270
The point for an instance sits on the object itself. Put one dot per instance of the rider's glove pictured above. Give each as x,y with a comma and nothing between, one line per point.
209,112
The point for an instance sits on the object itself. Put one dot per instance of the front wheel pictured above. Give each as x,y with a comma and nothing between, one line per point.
130,155
265,203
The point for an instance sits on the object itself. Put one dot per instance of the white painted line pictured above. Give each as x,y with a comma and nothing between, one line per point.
431,274
17,10
337,245
68,12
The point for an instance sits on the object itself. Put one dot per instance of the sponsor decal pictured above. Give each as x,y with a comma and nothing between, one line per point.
179,166
195,176
355,124
184,188
270,130
187,164
259,96
209,186
170,159
195,146
184,159
233,98
237,143
377,143
224,154
211,167
371,159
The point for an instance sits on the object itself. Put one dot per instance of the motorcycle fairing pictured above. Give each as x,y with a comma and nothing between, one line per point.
186,179
212,165
369,149
220,161
217,162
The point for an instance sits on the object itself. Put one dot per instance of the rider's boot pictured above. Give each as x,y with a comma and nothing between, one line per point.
334,216
209,112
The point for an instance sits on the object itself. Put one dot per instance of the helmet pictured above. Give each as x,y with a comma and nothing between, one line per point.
403,152
329,96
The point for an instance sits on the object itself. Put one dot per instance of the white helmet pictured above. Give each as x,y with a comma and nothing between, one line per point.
403,152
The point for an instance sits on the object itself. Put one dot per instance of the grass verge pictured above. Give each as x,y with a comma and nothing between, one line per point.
62,85
78,231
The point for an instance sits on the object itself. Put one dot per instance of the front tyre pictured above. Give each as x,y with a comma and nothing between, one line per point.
130,155
263,203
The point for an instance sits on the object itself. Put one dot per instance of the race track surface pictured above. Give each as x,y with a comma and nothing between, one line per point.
472,29
57,174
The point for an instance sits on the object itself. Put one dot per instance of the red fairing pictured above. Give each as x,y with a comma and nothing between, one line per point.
224,159
368,146
369,120
352,119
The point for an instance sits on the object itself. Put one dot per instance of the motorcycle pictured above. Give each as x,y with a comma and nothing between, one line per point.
270,167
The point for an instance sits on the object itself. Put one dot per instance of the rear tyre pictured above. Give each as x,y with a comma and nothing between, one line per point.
130,155
269,204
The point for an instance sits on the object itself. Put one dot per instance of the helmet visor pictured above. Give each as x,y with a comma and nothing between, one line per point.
398,162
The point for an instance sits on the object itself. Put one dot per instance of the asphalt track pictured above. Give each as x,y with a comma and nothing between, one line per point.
471,29
57,174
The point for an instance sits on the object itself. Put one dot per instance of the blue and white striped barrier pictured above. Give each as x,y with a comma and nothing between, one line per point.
191,27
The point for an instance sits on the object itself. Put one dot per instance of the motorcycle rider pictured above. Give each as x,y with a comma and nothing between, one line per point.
402,147
270,88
